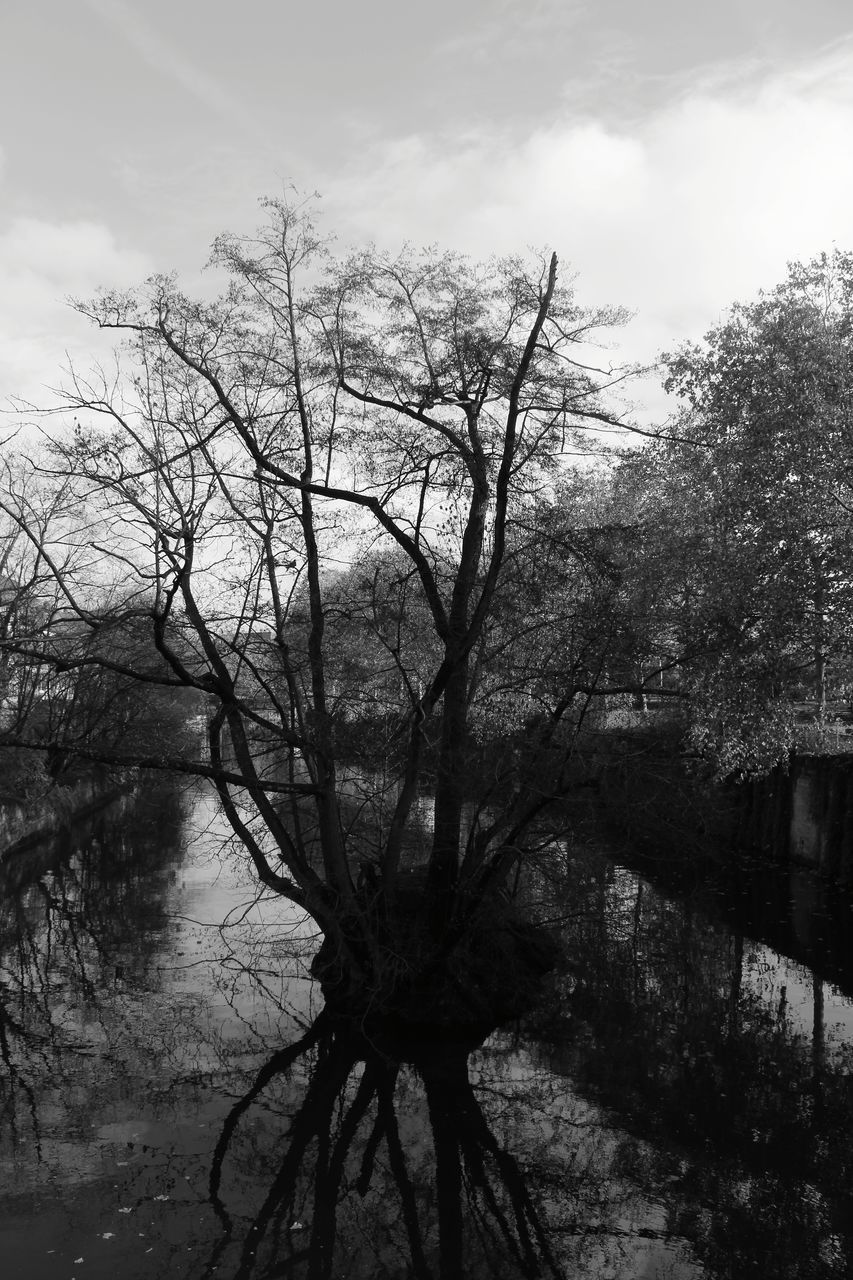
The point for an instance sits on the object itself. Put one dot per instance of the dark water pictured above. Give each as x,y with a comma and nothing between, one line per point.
171,1104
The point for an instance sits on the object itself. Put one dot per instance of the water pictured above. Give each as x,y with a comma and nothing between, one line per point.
171,1104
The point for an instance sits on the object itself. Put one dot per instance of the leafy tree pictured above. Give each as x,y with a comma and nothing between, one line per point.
250,449
761,470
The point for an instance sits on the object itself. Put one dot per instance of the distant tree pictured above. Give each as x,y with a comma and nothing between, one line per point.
250,449
573,634
64,700
28,590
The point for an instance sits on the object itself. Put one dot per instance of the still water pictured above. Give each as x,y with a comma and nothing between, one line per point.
174,1104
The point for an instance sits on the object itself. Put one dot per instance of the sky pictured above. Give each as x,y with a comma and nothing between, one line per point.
676,155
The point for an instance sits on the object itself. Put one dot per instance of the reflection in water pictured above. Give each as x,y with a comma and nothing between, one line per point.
718,1053
125,1007
472,1215
172,1104
446,1164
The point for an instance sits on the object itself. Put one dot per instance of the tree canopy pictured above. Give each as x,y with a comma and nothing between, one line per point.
758,470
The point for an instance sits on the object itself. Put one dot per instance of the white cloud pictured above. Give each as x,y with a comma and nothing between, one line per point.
697,204
41,264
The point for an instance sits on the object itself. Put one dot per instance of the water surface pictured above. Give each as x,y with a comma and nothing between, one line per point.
679,1105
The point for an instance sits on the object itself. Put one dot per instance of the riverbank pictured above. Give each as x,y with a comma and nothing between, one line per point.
27,823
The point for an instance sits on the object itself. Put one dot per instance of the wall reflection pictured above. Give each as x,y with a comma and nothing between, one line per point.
719,1054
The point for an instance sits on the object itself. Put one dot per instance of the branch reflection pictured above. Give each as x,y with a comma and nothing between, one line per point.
390,1166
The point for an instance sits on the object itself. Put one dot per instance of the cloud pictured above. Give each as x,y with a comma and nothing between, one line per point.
41,264
700,202
164,58
515,29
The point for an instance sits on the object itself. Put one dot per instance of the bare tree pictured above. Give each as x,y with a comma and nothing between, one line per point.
243,455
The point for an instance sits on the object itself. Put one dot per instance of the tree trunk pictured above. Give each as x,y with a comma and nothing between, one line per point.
449,794
820,649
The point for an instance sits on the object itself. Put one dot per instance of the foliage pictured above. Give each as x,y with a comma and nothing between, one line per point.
758,465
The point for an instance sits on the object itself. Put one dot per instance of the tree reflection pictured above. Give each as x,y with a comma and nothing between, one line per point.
677,1106
67,907
389,1167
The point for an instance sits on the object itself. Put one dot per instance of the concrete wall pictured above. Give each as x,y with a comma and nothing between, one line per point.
804,815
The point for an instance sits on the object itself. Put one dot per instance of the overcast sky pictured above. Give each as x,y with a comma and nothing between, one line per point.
675,154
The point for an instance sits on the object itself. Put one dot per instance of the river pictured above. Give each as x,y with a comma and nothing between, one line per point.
174,1104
